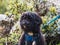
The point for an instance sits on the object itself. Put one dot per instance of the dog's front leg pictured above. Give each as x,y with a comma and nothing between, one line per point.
34,43
22,40
28,43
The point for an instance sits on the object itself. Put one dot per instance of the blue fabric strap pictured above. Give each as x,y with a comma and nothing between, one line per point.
30,38
57,17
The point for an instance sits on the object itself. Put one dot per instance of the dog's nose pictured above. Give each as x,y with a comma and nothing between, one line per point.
22,22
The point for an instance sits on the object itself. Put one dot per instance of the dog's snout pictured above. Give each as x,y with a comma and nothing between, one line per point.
25,22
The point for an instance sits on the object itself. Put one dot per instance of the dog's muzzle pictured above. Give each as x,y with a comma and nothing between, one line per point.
24,24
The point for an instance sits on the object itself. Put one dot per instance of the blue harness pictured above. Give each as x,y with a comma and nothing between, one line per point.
30,38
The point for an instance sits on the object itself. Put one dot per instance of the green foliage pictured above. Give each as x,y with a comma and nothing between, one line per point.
2,6
16,7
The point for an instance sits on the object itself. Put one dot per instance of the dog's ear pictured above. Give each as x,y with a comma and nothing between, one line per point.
38,19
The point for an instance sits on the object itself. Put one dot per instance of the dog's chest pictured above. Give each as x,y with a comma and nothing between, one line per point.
31,39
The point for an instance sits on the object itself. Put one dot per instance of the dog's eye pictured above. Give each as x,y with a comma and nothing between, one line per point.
23,17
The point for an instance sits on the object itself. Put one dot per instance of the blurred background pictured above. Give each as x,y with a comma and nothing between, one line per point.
11,10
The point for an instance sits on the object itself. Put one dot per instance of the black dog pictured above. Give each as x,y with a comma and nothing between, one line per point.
30,23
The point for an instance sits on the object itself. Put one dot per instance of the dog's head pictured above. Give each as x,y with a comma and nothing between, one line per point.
30,21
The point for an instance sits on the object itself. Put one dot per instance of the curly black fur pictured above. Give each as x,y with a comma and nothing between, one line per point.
30,22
